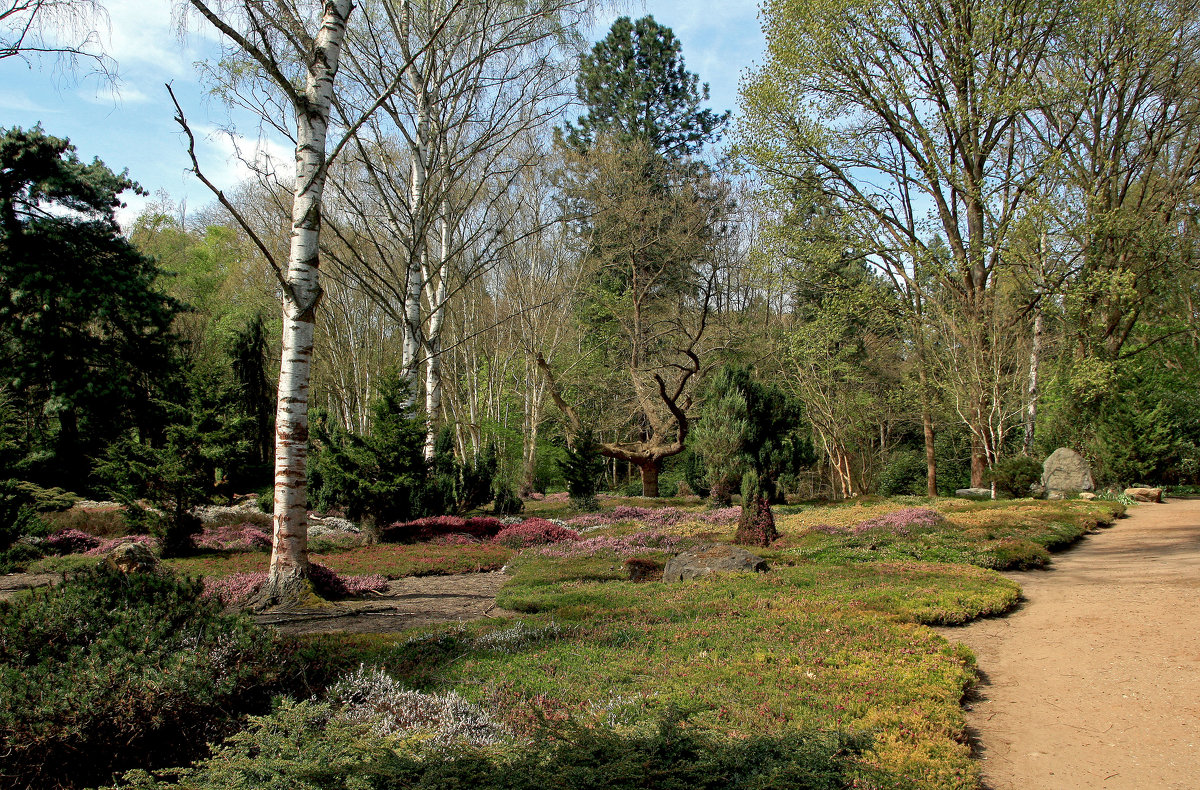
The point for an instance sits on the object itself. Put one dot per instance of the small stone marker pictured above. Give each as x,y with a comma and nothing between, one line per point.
1066,470
709,558
1142,494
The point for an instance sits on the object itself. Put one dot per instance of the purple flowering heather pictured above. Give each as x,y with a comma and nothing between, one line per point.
900,522
625,546
108,545
72,541
234,537
238,588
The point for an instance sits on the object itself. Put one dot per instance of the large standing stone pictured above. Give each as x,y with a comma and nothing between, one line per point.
711,558
1066,470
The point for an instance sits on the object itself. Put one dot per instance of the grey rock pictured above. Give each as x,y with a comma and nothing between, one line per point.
1087,496
1067,470
709,558
131,558
974,493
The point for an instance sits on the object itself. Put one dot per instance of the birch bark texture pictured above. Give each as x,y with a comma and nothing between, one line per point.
311,99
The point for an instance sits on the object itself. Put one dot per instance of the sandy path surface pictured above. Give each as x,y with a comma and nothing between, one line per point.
1095,681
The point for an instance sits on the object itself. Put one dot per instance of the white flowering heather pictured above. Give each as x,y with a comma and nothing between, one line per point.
516,637
371,696
616,710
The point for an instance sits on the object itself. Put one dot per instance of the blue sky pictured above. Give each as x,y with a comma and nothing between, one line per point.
134,126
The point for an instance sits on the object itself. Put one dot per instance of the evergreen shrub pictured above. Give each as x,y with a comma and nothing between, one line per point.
107,672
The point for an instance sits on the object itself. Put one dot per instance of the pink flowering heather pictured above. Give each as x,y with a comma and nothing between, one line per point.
72,541
591,521
428,528
234,537
901,522
625,546
562,497
235,589
722,515
105,546
329,583
535,496
238,588
656,517
534,532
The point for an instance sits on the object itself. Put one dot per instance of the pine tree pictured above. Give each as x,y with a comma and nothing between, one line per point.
635,86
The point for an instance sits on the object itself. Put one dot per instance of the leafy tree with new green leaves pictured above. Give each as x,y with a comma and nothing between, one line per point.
636,87
85,335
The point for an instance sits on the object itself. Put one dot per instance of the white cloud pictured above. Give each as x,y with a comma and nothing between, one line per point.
147,33
236,158
15,101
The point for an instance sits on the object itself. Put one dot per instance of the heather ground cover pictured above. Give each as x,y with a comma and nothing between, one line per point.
833,639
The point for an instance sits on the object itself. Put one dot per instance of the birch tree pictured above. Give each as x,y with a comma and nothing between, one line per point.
437,172
287,55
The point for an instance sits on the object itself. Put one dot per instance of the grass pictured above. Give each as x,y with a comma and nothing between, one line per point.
391,560
834,637
805,646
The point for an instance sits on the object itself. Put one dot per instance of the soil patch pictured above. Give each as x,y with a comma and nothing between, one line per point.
1094,682
408,602
14,583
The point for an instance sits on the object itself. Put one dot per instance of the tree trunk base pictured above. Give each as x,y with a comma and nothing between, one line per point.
287,594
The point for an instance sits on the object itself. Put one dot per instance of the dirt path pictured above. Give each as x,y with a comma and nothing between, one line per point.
408,602
1095,681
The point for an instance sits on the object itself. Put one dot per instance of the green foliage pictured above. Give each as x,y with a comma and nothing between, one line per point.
694,473
107,672
382,476
748,424
583,468
86,336
904,474
1014,476
308,745
505,502
1135,441
205,438
635,85
256,394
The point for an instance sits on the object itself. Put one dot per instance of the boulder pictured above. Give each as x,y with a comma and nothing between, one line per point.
1087,496
710,558
1143,494
1066,470
974,493
131,558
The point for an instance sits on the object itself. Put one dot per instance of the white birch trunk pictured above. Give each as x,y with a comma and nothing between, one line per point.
436,287
289,550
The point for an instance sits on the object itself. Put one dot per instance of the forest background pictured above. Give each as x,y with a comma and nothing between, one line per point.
930,238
